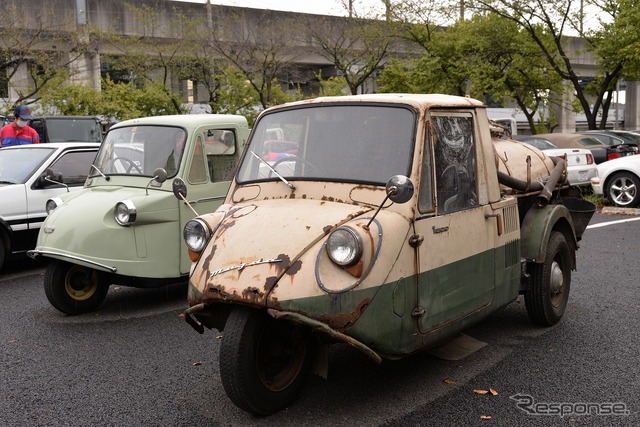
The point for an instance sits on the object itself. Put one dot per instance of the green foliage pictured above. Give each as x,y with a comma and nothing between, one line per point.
116,100
333,86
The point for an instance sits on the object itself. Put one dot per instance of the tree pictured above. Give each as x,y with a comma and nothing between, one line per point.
356,47
37,50
260,53
558,19
504,63
152,56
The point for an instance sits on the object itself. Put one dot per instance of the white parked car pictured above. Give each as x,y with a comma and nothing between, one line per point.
29,176
581,166
619,181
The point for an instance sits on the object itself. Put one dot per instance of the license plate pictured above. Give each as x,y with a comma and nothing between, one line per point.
582,175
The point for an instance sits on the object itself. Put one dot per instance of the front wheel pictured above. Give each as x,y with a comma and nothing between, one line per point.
74,289
547,297
624,190
263,362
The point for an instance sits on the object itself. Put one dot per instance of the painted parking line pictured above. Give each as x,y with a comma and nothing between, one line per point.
604,224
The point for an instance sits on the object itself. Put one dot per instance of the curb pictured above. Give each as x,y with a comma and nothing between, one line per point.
620,211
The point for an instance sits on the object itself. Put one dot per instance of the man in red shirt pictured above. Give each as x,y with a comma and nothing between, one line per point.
17,132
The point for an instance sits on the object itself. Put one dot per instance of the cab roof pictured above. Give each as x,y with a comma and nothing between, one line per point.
185,120
420,101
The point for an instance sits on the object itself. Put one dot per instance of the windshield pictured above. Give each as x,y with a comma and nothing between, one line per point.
17,165
356,143
140,150
540,144
589,142
74,130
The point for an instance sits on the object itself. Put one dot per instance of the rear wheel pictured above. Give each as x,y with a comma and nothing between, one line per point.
74,289
263,362
547,297
624,190
2,253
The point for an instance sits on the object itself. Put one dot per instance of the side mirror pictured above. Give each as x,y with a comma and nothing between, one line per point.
179,189
399,189
48,179
160,175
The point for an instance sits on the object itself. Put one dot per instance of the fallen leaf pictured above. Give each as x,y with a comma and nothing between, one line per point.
480,391
218,337
12,341
181,315
485,417
197,363
492,391
448,381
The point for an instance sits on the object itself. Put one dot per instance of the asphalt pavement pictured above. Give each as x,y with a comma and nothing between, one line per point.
135,362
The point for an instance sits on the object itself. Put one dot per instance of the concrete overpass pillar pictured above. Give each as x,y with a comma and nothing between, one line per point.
632,106
20,82
85,69
562,110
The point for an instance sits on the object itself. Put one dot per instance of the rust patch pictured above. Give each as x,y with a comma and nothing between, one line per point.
207,262
270,283
283,265
252,295
342,321
295,267
308,228
327,229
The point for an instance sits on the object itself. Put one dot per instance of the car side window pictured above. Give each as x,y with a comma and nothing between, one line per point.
198,171
455,162
426,199
220,146
72,166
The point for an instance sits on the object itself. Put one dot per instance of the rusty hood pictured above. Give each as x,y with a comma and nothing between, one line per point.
258,243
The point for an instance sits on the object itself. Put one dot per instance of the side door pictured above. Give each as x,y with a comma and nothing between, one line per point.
455,259
209,169
72,168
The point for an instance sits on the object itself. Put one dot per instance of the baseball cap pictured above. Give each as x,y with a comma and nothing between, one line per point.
23,112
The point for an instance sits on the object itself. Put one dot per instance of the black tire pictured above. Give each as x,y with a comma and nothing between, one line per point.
547,297
623,189
2,253
263,362
74,289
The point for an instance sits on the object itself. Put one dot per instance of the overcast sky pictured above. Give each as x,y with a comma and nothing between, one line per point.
322,7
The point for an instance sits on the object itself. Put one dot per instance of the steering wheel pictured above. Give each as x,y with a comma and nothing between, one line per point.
122,160
293,158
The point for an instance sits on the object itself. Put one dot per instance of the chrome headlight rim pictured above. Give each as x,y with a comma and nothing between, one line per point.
53,204
344,246
125,212
196,234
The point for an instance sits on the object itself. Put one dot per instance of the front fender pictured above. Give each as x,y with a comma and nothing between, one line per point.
537,226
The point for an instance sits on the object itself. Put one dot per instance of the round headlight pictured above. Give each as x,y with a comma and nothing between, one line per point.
52,204
125,212
344,246
196,234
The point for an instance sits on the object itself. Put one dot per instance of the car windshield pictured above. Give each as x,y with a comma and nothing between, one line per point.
140,150
355,143
540,144
18,164
73,130
588,141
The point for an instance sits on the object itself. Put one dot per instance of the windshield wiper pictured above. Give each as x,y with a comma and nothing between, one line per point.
290,185
7,182
107,178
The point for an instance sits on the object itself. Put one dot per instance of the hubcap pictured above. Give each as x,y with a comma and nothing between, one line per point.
556,282
280,356
79,285
623,191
